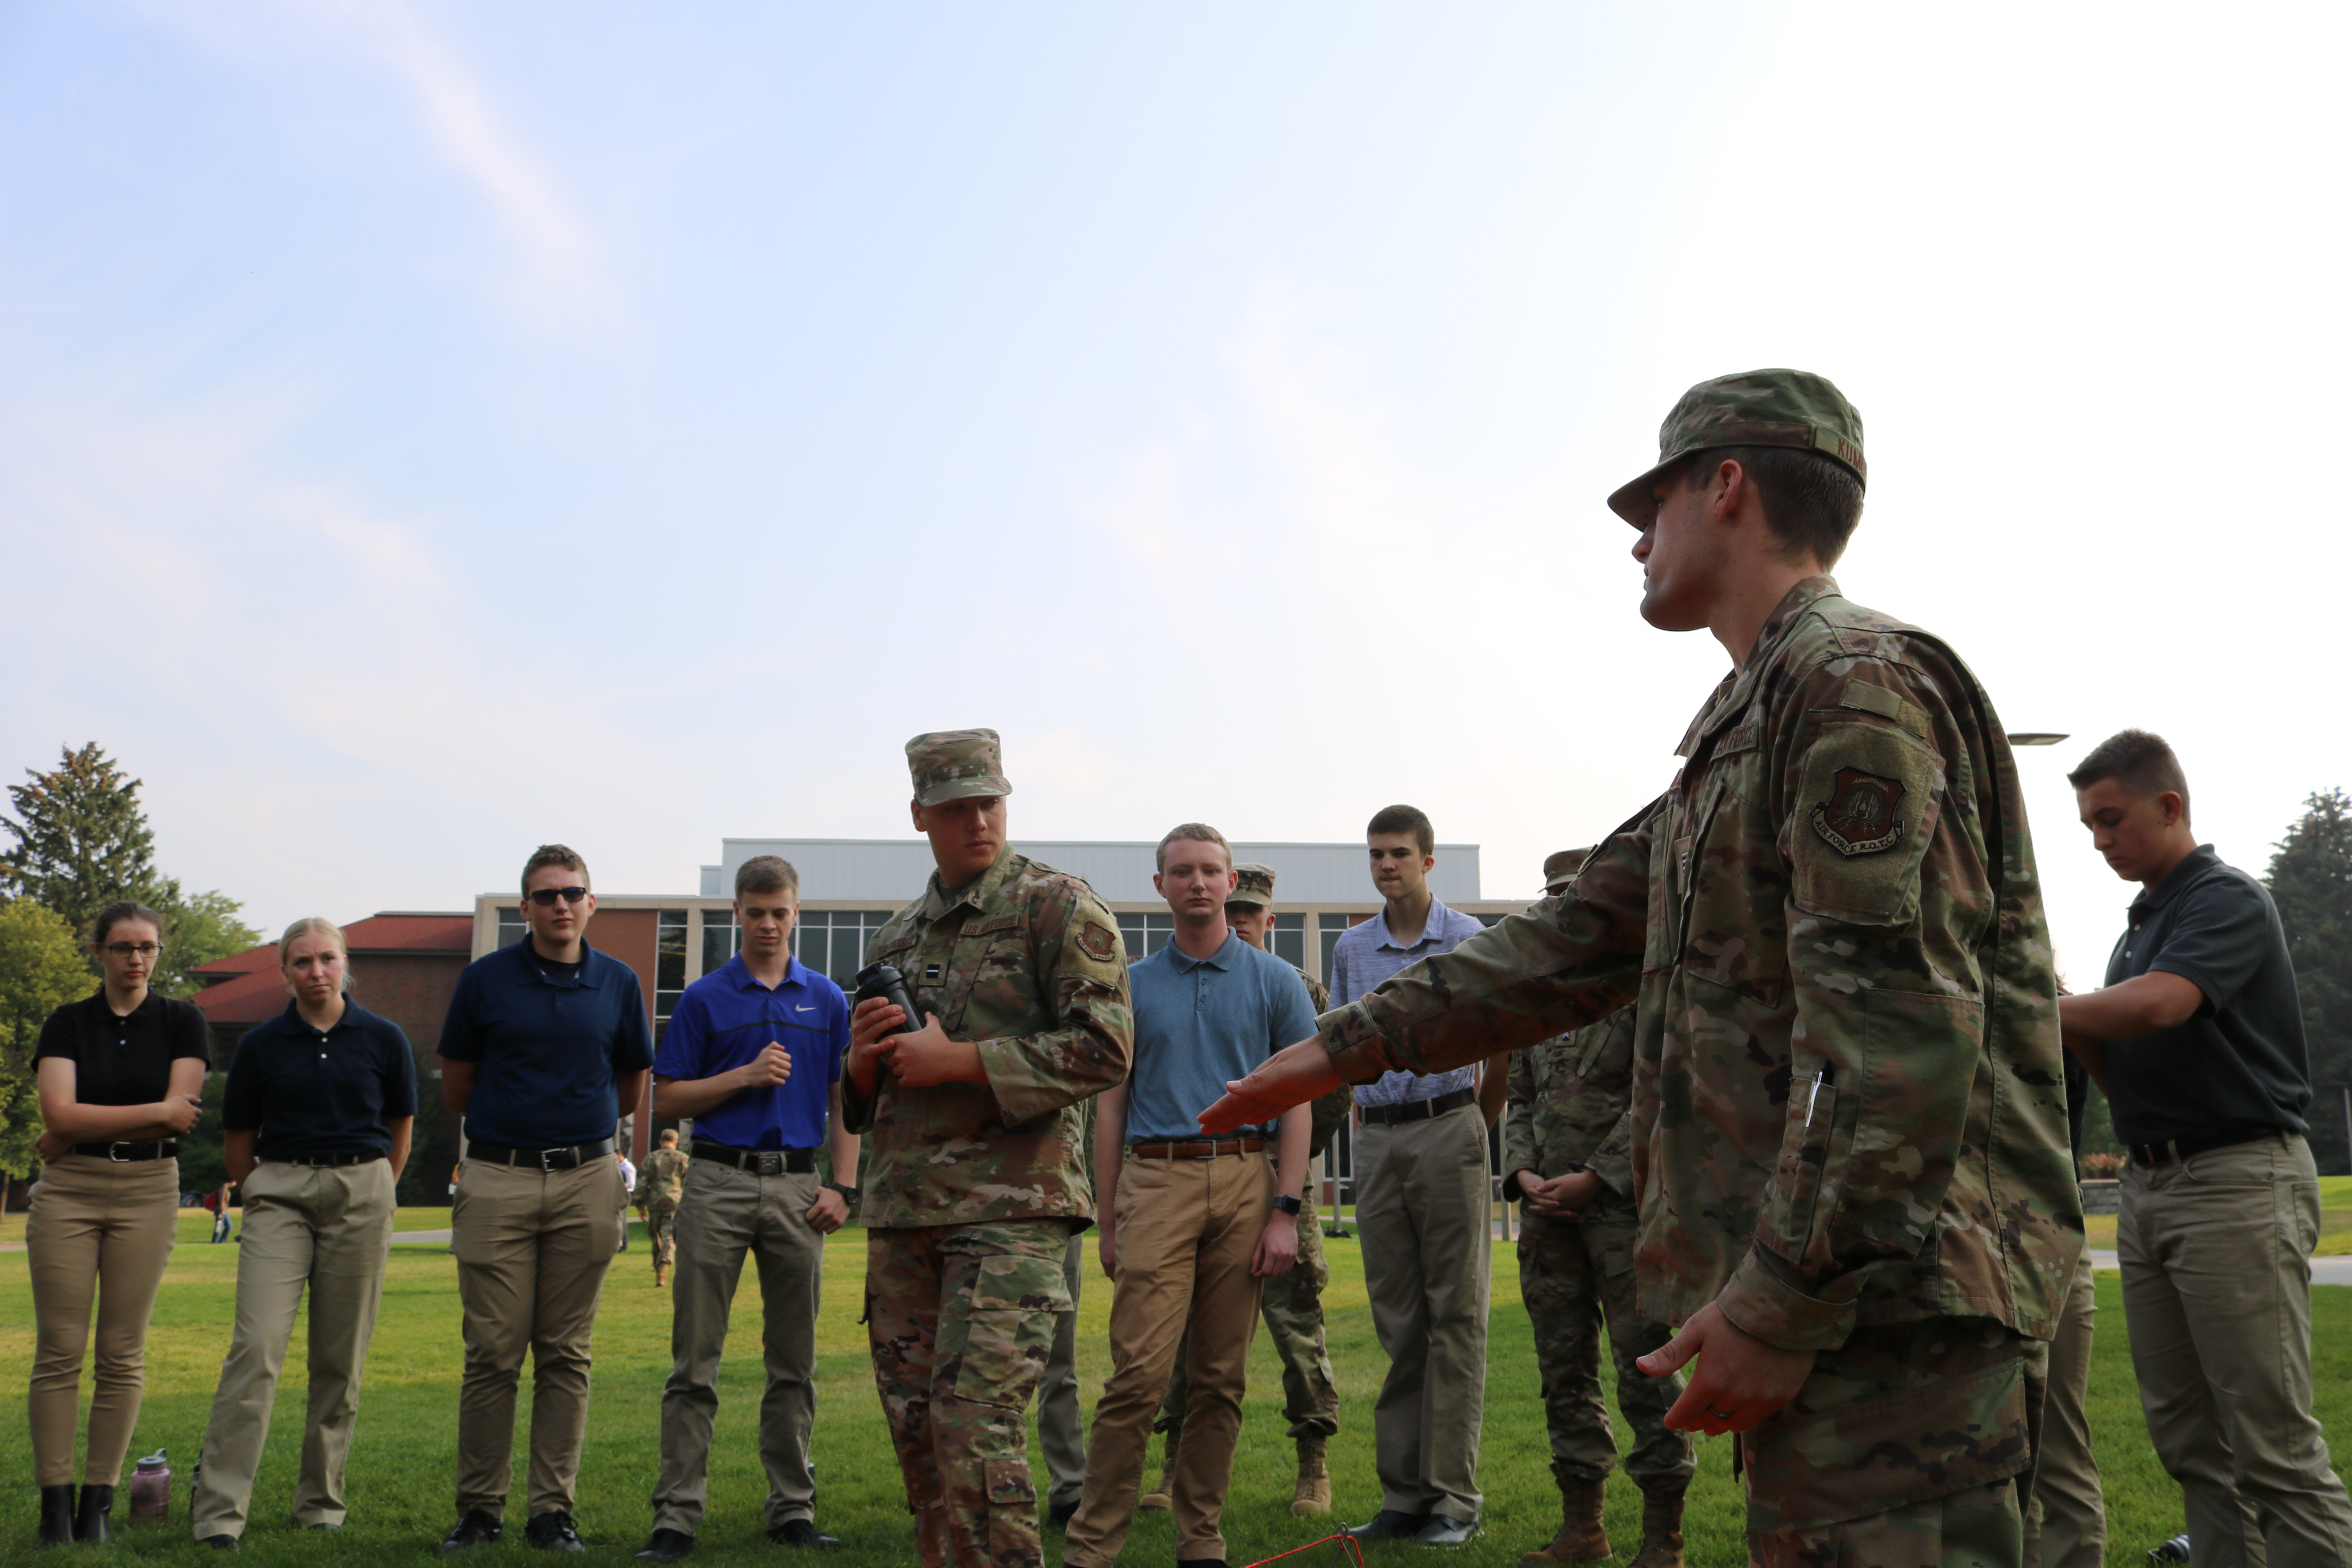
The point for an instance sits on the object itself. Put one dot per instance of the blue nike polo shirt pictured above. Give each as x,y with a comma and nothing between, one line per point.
727,1018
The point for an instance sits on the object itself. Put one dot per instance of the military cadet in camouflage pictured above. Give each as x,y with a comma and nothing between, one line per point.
1293,1304
1576,1266
1856,1199
975,1162
661,1187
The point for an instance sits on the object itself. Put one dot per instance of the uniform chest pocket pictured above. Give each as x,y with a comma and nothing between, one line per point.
981,961
1732,888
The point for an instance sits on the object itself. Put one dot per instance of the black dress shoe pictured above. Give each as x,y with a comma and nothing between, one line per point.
666,1546
57,1516
551,1532
804,1532
1443,1529
1389,1525
1058,1515
89,1520
1200,1563
218,1542
476,1529
322,1527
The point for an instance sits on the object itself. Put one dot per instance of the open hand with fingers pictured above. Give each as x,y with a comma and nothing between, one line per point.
1740,1379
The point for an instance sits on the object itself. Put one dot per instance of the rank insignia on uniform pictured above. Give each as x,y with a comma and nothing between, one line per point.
1859,817
1097,942
930,974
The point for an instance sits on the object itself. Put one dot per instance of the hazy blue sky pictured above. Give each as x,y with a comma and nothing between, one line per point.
428,430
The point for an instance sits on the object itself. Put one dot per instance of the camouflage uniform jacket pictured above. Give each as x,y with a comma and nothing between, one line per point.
1568,1098
1027,961
1330,1111
1846,1058
661,1178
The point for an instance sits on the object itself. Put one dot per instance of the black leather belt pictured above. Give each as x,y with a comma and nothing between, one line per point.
759,1161
1417,1110
320,1162
570,1157
2173,1149
124,1153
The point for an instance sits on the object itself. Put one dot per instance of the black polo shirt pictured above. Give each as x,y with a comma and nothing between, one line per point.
310,1092
550,1042
127,1060
2238,1065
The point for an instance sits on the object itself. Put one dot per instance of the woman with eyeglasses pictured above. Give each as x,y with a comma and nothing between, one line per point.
120,1075
317,1111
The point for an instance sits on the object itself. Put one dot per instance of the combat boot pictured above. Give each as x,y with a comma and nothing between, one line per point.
1581,1538
1314,1494
1662,1528
1158,1495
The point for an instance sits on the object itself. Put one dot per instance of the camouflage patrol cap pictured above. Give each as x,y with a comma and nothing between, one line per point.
1255,887
1560,867
1758,408
948,764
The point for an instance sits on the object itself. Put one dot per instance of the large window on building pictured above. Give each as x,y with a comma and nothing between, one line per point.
1146,934
1328,928
1290,939
510,927
669,961
832,942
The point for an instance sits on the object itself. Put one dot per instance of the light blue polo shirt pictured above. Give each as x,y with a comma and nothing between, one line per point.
1200,1021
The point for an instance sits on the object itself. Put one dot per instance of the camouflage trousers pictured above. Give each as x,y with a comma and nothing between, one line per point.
1911,1446
661,1229
1577,1276
1292,1309
960,1320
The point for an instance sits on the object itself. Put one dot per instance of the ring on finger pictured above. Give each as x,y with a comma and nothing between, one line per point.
1718,1415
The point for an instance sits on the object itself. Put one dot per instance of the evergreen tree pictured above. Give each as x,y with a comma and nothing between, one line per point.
82,840
41,970
2310,878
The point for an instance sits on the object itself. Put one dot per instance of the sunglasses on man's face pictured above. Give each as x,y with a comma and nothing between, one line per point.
545,897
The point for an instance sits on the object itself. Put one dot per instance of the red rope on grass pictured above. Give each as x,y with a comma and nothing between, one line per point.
1347,1543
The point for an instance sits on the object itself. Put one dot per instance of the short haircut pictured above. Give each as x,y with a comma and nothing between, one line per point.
1811,503
767,874
548,855
1200,831
114,914
2139,762
1405,819
669,1136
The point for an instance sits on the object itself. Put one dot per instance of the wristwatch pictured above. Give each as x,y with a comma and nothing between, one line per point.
848,1194
1288,1205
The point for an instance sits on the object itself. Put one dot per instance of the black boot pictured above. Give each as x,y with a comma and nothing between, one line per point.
89,1523
57,1516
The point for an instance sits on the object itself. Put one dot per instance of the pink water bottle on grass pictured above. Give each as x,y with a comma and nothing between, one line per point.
150,1489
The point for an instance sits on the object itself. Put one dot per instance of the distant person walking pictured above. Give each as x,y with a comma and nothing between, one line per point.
317,1116
661,1187
2198,1040
545,1041
120,1077
628,1186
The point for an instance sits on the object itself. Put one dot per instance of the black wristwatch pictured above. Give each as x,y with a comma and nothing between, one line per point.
848,1194
1288,1205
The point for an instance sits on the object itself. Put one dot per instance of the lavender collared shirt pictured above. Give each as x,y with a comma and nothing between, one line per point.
1366,954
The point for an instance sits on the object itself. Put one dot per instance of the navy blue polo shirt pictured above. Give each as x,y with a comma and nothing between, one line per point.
550,1045
727,1018
2237,1066
308,1092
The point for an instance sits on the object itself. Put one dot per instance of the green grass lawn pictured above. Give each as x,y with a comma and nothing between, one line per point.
400,1466
2334,1220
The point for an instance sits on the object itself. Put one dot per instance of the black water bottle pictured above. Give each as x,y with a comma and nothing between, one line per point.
883,980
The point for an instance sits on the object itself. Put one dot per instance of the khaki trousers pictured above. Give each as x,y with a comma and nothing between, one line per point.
329,1231
1061,1425
103,1229
2067,1525
726,1213
1186,1230
532,1250
1421,1193
2217,1298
